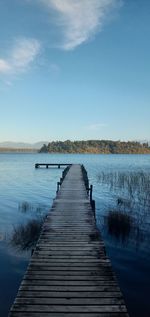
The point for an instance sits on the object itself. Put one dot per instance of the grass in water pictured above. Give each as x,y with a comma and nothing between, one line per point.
134,186
119,224
25,236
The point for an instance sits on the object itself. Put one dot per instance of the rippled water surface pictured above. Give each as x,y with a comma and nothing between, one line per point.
27,193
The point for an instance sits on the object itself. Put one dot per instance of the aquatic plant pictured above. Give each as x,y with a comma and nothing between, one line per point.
134,187
25,206
37,209
25,236
128,218
119,224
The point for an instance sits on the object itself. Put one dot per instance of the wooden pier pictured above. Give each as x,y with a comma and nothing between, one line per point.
69,274
37,165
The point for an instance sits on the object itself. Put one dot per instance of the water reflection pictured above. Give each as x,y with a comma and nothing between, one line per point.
118,224
123,229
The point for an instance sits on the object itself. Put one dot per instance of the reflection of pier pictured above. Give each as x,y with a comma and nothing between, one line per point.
69,274
47,165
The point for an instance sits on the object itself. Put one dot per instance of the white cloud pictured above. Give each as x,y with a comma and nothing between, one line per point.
80,19
96,126
4,66
24,53
21,56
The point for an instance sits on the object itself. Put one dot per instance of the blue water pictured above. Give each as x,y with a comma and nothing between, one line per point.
20,182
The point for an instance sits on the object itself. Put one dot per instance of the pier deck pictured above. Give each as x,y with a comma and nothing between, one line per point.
69,274
47,165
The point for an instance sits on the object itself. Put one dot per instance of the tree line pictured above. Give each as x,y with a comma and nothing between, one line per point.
96,146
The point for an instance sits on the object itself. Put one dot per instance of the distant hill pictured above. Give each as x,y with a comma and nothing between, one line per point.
22,145
96,146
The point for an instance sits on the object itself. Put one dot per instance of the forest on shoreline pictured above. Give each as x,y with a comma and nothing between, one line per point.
97,147
89,146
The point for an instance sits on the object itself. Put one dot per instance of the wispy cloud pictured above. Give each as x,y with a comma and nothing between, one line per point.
5,67
96,126
21,56
80,20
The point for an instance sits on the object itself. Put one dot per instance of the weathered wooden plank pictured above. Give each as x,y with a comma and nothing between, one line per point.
65,244
66,283
69,301
69,266
74,224
72,255
57,248
67,258
72,273
70,308
73,294
68,231
59,234
74,288
95,253
68,227
63,268
71,251
37,275
68,263
53,314
66,238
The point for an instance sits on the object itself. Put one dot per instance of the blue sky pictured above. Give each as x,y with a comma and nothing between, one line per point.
74,69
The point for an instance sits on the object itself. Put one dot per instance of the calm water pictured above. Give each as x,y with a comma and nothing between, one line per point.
21,184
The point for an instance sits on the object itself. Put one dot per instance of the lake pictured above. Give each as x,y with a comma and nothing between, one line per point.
27,193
